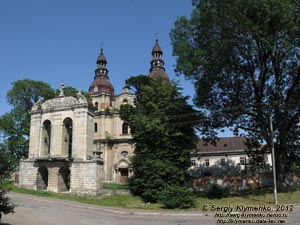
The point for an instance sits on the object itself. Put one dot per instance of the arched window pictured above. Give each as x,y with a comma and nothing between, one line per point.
96,106
67,137
125,128
46,138
95,127
125,101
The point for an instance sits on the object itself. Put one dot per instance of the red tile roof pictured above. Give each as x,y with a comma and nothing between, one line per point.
224,144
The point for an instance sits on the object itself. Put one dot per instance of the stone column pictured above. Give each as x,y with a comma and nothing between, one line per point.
53,179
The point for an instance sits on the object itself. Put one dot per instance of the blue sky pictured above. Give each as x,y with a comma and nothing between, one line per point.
59,40
55,41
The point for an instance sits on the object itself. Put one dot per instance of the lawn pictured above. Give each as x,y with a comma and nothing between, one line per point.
256,197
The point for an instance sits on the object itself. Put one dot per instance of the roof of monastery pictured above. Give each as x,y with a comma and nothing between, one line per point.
224,144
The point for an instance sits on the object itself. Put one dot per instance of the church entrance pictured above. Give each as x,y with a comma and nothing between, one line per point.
42,178
123,175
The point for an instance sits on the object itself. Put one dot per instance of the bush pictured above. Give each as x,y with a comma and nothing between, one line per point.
176,197
215,191
7,166
6,206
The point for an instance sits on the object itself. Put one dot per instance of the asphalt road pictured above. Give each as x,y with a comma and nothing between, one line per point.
34,210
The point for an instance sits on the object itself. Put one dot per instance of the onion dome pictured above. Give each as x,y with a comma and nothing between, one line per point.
101,82
157,68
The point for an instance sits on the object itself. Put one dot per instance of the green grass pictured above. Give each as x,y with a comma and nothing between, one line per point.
256,197
115,186
123,201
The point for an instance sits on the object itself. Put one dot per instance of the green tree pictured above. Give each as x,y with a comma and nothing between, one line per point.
163,140
243,56
7,166
15,125
71,91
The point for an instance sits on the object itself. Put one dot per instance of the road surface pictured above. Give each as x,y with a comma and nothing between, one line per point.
33,210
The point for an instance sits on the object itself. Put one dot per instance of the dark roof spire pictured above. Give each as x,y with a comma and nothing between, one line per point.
101,65
157,63
101,82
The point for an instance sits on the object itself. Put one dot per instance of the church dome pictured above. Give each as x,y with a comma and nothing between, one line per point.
101,82
158,73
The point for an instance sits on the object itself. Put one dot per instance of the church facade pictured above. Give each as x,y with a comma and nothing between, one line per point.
75,144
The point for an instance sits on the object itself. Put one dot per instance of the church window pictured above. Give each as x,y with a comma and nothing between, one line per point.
125,101
96,106
242,160
125,128
124,153
95,127
193,162
223,161
206,162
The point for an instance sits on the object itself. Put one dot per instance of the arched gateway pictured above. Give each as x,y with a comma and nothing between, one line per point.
61,147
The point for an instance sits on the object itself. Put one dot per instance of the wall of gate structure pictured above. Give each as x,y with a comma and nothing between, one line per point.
242,182
61,176
89,177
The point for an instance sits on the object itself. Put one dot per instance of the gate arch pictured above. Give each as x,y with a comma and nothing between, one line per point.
67,137
46,138
42,178
64,179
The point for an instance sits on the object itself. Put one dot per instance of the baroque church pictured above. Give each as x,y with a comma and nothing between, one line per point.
76,144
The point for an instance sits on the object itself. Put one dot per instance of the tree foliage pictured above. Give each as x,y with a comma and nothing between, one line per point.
7,166
163,139
243,56
71,91
15,125
25,93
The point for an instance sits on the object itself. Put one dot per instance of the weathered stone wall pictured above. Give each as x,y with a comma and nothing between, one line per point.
242,182
86,177
27,174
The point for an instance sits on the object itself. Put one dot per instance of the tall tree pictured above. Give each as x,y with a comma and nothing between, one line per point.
15,124
243,56
163,140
